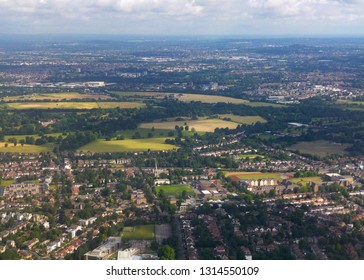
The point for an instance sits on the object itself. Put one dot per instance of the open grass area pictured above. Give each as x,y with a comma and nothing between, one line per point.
73,105
265,104
320,148
56,96
184,97
243,119
351,105
143,232
19,137
128,145
254,175
156,133
305,181
250,156
204,125
175,190
25,149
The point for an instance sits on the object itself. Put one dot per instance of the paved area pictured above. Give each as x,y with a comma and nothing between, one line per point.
162,232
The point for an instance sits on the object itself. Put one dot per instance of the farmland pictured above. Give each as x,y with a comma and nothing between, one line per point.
128,145
175,190
320,148
143,232
204,125
56,96
72,105
242,119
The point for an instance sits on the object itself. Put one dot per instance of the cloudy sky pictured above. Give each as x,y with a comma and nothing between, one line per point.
183,17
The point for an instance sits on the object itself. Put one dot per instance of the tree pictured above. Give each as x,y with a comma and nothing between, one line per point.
166,252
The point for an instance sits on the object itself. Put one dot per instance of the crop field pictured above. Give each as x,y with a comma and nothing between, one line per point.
204,125
144,232
128,145
243,119
25,149
320,148
175,190
254,175
56,96
306,180
73,105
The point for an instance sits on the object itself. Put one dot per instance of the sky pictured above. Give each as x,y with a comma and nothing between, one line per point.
184,17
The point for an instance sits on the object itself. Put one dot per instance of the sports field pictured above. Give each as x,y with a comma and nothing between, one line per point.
306,180
144,232
243,119
320,148
25,149
175,190
254,175
205,125
73,105
128,145
56,96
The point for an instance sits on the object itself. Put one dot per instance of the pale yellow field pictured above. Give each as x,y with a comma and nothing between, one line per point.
243,119
204,125
56,96
73,105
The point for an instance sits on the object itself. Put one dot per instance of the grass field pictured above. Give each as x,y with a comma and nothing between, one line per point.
56,96
144,232
157,133
243,119
254,175
304,181
250,156
204,125
19,137
320,148
128,145
175,190
351,105
265,104
25,149
73,105
350,102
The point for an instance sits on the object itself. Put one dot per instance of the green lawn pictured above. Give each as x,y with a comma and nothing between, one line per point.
320,148
265,104
128,145
254,175
304,181
72,105
144,232
175,190
25,149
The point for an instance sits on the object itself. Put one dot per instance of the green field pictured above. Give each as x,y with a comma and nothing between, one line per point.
304,181
350,102
25,149
254,175
185,97
56,96
251,156
19,137
156,133
73,105
128,145
204,125
144,232
175,190
265,104
351,105
320,148
243,119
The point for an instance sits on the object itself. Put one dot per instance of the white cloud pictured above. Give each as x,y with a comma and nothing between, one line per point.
172,16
